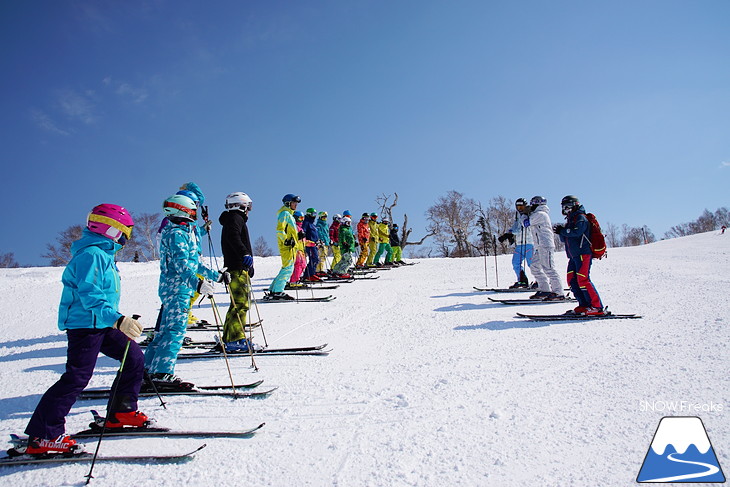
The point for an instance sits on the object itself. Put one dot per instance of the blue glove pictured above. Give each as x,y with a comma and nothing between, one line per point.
247,261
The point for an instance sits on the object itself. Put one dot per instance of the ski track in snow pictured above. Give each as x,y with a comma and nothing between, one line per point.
428,382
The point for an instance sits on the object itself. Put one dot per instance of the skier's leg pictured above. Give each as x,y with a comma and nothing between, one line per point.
236,315
128,382
49,418
584,282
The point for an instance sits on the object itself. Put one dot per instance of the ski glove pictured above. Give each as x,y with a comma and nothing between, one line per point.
507,236
247,261
225,277
250,271
129,326
289,242
206,287
558,228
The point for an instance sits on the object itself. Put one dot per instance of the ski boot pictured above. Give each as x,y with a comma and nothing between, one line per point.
166,382
64,445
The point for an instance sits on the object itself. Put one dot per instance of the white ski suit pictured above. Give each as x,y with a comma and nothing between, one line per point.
543,257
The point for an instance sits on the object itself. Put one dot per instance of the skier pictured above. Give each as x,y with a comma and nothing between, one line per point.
363,237
347,247
335,238
238,262
395,245
89,314
373,242
324,238
311,241
180,267
286,239
383,236
518,235
300,258
576,236
537,220
193,191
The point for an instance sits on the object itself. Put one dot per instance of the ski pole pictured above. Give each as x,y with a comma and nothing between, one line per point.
113,397
496,269
256,306
216,316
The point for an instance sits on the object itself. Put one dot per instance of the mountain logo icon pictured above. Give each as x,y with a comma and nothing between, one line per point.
681,452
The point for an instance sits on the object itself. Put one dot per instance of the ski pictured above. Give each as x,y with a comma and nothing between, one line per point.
310,286
504,290
322,299
578,317
316,350
15,458
198,390
151,431
218,393
206,326
342,280
366,278
530,301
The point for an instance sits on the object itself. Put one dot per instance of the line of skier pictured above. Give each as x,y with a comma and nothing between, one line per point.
533,232
89,309
304,240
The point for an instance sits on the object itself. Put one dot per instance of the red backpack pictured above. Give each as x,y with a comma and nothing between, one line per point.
597,240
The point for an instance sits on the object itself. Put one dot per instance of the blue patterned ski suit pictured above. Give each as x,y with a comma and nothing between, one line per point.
179,269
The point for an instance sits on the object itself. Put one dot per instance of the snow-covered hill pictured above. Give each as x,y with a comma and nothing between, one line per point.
429,383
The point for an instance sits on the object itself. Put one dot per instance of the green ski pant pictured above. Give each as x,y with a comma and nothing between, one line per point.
240,301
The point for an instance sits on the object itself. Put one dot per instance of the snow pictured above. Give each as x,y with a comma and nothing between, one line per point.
428,382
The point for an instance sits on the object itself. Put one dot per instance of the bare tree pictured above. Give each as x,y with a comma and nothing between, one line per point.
144,238
611,233
706,222
60,254
261,248
8,260
386,210
451,220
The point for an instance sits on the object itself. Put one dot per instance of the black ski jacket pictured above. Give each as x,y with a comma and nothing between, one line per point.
235,242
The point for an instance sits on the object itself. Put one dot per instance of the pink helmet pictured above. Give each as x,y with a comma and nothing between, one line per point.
111,221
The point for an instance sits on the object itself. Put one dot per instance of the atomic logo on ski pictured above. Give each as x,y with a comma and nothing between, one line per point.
681,452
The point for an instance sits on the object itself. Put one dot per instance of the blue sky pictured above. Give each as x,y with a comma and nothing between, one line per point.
624,103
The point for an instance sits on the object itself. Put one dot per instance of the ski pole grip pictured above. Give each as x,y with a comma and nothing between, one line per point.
136,317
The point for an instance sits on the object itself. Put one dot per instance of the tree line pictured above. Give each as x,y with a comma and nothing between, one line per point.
459,226
463,227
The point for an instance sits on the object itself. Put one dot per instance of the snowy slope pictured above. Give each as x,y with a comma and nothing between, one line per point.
429,383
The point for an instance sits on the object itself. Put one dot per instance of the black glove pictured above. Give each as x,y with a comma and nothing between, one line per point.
558,228
300,234
507,236
250,271
289,242
225,277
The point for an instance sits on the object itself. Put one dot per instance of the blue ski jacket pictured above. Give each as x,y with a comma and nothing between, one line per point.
324,231
90,296
576,233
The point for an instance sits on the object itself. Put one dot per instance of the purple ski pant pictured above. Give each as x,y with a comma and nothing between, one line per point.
49,419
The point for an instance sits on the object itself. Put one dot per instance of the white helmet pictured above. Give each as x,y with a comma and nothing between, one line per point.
346,220
238,201
337,217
